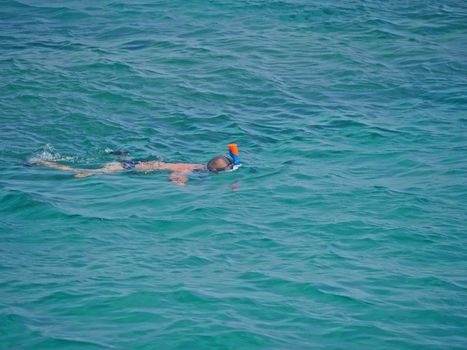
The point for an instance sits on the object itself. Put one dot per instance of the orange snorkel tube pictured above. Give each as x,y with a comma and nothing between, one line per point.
233,151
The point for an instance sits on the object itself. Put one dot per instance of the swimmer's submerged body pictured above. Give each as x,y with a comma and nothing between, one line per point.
178,171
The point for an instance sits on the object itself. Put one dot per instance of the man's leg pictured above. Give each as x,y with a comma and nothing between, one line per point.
56,166
106,169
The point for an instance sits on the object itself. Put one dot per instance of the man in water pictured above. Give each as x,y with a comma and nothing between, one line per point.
178,171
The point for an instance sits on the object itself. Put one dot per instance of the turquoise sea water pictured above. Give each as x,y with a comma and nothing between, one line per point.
344,229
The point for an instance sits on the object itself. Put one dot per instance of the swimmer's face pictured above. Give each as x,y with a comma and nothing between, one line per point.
219,163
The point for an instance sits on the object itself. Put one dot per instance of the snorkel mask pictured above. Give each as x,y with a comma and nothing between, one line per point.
227,163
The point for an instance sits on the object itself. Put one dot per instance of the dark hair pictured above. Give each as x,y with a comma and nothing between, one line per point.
215,166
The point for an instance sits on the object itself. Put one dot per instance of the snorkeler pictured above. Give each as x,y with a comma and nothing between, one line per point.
178,171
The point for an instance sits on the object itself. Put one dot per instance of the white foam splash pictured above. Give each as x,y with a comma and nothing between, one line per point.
49,153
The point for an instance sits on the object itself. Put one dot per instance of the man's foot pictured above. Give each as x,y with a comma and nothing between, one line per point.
81,175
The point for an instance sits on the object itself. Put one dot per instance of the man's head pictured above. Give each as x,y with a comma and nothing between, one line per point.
220,163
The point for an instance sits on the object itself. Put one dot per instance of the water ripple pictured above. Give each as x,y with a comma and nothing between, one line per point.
344,226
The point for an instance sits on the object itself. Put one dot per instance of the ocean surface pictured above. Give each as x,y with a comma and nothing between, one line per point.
344,229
